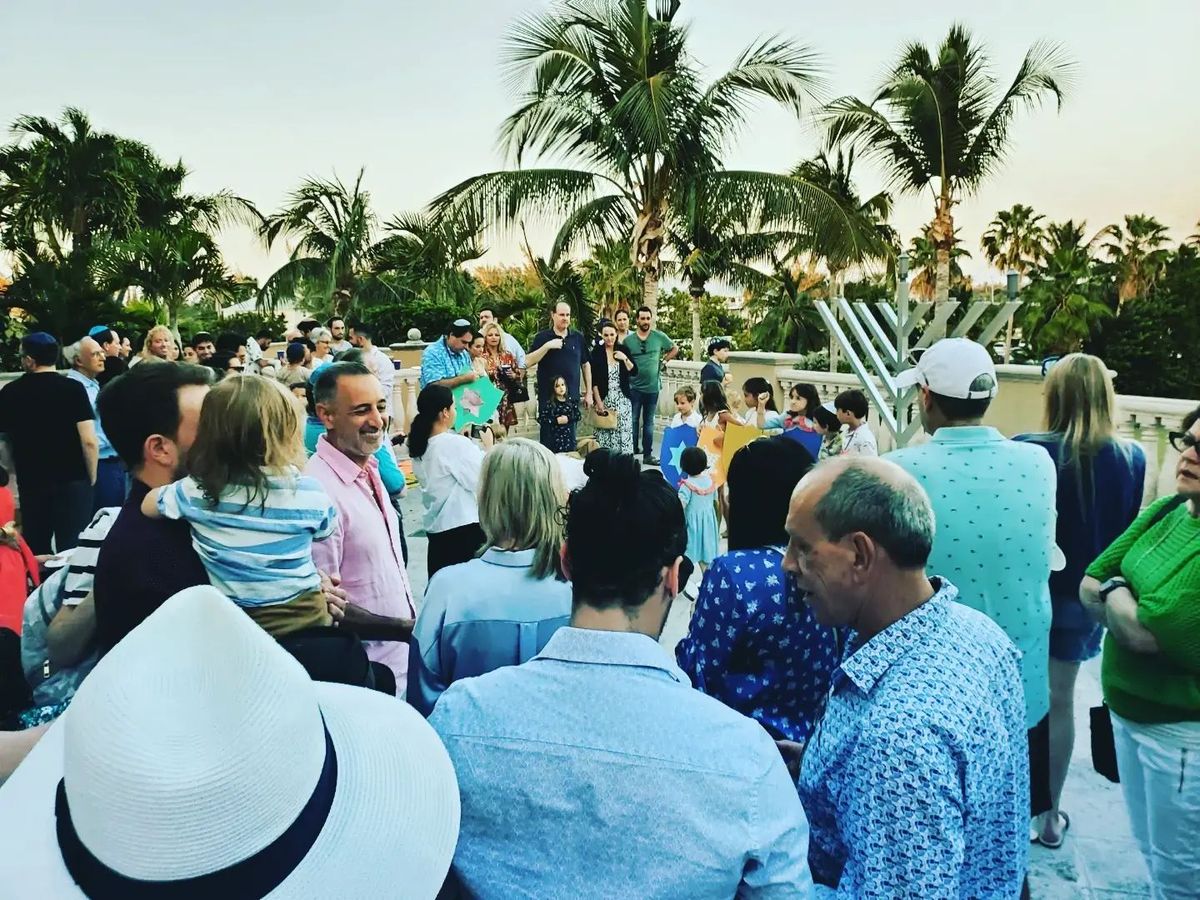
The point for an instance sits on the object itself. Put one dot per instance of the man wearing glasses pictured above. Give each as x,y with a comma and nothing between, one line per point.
447,361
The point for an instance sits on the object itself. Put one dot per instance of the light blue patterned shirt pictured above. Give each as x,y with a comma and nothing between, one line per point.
916,781
994,503
92,387
595,770
439,362
481,615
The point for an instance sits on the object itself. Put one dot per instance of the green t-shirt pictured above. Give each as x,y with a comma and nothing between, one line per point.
647,356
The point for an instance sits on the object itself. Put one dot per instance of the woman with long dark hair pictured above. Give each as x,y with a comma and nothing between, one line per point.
447,465
753,643
612,367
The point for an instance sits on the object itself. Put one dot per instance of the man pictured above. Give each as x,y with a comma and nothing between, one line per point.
362,336
447,361
364,551
202,343
995,505
714,369
88,362
51,427
337,328
915,781
257,360
621,321
232,342
486,317
110,342
559,352
650,349
594,769
150,416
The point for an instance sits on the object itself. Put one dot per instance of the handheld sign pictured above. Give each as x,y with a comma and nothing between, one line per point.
476,402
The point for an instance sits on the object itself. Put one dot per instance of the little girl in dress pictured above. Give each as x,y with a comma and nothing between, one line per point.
698,496
560,413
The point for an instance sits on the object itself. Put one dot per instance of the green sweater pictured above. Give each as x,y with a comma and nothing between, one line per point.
1162,565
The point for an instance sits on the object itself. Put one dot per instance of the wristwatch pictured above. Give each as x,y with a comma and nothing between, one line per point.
1111,585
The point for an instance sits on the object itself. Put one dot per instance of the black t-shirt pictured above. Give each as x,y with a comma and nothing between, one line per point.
40,412
113,366
564,362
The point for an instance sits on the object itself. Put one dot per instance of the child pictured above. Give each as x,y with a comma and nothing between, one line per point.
714,407
852,410
560,413
803,401
825,420
299,390
254,517
699,509
760,405
685,408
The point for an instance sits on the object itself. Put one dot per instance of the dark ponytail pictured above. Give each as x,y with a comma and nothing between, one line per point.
430,402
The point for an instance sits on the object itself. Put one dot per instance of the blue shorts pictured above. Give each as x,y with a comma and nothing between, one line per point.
1074,636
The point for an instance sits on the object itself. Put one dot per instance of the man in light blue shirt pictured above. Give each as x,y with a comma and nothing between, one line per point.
995,505
88,359
915,780
447,361
594,769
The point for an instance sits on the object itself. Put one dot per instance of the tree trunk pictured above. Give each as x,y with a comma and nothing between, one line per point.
696,291
650,284
942,235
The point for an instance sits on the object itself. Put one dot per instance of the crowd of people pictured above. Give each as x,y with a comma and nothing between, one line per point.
874,696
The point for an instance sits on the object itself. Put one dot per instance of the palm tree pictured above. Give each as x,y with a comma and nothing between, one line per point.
1063,305
609,277
426,257
610,90
333,229
1139,252
171,267
1015,240
942,123
923,258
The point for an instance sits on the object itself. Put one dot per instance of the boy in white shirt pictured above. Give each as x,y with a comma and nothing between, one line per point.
852,408
685,408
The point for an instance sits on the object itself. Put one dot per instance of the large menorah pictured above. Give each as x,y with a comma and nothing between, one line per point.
884,338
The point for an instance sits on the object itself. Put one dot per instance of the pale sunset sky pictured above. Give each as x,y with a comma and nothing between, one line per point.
255,95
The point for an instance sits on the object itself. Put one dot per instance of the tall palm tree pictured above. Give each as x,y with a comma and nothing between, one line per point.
923,257
426,257
332,230
1139,252
610,278
941,122
1063,303
1015,240
611,92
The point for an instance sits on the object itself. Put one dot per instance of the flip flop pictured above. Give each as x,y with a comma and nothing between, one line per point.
1056,844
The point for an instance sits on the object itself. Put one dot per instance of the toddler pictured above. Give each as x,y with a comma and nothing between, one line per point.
685,408
253,515
698,496
560,413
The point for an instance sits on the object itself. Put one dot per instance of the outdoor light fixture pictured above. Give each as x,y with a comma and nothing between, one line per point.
1012,285
902,267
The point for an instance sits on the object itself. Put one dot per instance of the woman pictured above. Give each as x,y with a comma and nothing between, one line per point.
753,643
611,368
1146,589
322,339
501,367
1100,480
500,609
759,397
157,346
447,465
476,351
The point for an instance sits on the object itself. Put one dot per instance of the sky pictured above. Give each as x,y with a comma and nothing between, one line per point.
253,96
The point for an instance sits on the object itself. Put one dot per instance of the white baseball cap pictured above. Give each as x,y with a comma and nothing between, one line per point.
953,368
199,758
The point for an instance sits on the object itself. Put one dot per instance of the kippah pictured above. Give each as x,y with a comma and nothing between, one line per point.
41,339
97,329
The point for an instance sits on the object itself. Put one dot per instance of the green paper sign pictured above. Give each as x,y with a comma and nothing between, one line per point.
476,402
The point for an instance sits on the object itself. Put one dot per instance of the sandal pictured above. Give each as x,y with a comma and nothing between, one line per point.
1066,820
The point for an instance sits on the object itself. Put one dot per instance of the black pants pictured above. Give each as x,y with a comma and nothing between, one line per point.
59,511
449,548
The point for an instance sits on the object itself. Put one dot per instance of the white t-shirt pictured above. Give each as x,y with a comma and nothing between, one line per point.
449,477
695,420
381,365
572,471
860,442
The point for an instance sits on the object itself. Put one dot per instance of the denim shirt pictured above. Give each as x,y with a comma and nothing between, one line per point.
481,615
595,770
916,781
92,387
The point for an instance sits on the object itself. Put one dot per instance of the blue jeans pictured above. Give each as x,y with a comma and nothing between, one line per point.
110,484
644,407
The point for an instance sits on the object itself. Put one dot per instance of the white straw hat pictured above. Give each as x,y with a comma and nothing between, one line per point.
198,752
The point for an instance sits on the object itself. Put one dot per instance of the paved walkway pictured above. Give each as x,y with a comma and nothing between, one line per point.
1098,861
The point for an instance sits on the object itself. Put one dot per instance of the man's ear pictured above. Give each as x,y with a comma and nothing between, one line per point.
325,414
671,584
161,450
865,552
564,560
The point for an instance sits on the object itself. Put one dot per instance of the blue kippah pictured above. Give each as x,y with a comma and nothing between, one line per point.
41,339
97,329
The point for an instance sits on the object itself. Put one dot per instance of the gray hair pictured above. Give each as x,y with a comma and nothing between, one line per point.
895,513
320,334
325,385
71,352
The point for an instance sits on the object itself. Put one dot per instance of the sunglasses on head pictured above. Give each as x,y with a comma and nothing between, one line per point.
1183,441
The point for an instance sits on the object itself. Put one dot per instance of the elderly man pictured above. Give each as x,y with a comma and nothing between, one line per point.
447,361
364,551
915,781
995,505
51,426
88,361
487,316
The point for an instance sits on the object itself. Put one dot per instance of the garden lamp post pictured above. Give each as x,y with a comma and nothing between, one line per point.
1012,283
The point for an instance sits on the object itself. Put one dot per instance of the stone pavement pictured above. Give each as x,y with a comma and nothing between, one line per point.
1098,861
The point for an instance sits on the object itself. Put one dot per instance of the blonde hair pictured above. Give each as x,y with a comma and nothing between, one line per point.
521,496
687,392
154,332
490,327
1079,405
250,428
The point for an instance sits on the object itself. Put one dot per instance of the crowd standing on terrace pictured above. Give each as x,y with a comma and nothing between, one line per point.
222,681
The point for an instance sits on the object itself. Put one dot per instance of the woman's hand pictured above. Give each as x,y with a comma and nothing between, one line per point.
486,437
619,356
1123,623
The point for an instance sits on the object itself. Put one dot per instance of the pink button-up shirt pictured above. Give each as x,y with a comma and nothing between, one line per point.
364,549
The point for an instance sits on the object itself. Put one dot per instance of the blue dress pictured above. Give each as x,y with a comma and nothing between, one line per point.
699,499
754,645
